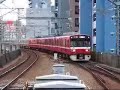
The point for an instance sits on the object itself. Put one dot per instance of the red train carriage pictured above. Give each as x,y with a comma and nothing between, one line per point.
77,47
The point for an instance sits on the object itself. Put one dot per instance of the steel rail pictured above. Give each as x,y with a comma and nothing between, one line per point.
110,73
6,87
96,76
6,72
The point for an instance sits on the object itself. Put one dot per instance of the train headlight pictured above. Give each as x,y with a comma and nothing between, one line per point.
86,50
73,50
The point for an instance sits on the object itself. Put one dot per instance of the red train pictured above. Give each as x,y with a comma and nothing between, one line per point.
76,47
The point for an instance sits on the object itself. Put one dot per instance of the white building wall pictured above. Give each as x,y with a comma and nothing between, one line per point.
40,23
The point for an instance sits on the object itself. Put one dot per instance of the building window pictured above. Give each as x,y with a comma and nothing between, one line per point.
76,9
94,17
52,30
112,50
94,47
56,14
112,33
56,26
0,32
76,0
76,22
94,2
56,2
94,32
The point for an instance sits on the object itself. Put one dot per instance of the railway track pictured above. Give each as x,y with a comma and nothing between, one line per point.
106,79
14,62
105,76
96,76
110,74
6,71
9,77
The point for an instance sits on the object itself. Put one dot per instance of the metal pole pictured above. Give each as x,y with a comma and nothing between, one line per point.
18,29
1,1
117,32
117,5
34,32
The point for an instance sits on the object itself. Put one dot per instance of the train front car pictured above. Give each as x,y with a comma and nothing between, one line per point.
80,48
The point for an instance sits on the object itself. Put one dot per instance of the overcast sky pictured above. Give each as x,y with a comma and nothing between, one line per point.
53,1
13,4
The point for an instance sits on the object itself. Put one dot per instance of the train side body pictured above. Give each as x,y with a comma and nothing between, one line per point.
73,46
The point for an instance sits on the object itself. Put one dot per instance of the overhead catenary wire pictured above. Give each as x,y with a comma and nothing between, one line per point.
117,5
112,2
1,1
9,11
5,5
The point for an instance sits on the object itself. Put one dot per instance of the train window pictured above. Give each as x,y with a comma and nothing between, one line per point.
46,41
55,42
59,89
38,42
67,43
80,43
63,42
50,42
58,43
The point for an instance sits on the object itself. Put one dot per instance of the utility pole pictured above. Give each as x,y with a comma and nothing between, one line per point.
49,32
117,17
1,1
118,29
18,25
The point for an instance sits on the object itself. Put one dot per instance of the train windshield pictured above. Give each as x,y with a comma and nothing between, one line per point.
80,42
60,89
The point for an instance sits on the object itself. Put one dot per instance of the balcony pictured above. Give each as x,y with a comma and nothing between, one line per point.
117,2
30,3
94,39
54,9
94,24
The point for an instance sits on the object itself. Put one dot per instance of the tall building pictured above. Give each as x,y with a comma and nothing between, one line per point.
39,22
85,17
74,14
62,12
2,25
39,3
96,21
68,12
116,9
